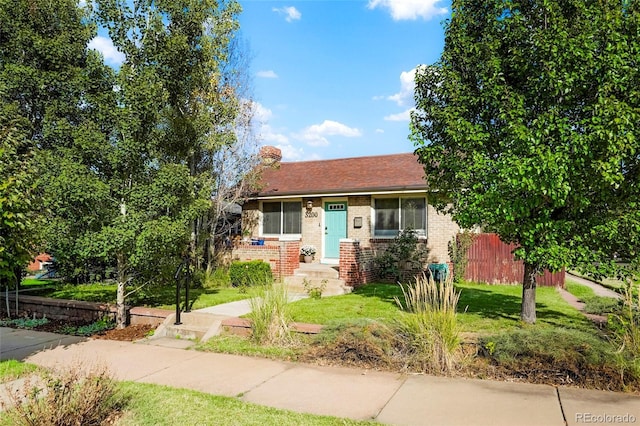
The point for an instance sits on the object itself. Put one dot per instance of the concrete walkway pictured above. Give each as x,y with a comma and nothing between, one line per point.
598,289
388,398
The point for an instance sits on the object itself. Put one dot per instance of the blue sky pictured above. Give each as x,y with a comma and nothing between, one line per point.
334,78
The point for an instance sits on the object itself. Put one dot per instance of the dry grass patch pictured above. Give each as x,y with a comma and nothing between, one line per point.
73,397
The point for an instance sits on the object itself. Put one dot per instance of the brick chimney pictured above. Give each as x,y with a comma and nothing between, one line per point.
271,156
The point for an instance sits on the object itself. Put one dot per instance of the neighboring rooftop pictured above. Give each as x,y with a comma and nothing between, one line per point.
395,172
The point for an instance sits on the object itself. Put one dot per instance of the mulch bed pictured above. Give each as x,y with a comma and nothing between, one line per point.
129,333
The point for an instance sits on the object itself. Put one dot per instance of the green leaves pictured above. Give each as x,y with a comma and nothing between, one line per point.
529,124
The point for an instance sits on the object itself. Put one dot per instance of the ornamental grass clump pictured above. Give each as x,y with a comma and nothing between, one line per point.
430,327
269,315
72,397
625,326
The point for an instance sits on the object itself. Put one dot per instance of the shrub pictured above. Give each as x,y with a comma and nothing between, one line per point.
218,277
73,397
404,257
249,274
269,315
458,249
430,326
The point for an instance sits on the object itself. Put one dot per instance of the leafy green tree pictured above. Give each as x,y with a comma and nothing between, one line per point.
42,57
174,112
19,219
528,125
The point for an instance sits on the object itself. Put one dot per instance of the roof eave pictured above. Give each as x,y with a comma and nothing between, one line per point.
341,193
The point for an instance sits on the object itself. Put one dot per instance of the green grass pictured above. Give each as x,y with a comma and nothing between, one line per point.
152,296
482,308
35,282
580,291
493,308
238,345
372,301
161,405
598,305
12,369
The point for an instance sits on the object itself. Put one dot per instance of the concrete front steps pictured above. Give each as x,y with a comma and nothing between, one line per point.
194,326
317,274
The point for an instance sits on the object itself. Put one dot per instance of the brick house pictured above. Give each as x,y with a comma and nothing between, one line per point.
346,207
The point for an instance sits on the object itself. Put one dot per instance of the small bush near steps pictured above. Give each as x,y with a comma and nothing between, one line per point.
250,274
314,290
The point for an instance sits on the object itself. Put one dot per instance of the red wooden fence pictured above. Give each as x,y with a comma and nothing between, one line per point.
491,261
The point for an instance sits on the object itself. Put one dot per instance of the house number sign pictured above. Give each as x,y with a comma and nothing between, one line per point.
310,214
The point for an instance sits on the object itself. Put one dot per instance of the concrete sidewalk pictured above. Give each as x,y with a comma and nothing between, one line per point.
388,398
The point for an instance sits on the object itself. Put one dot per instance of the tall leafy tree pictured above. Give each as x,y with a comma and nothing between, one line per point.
42,58
174,111
528,125
19,219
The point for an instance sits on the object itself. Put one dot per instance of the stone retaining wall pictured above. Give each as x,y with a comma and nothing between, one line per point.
76,311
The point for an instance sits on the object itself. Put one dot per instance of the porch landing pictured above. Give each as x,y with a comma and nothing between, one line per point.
317,274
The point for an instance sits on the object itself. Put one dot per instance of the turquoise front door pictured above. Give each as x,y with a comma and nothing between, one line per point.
335,228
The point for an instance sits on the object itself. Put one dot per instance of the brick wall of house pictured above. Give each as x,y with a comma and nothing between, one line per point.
440,230
251,219
312,232
359,206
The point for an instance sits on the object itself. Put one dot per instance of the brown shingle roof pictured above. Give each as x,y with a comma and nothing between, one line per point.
345,175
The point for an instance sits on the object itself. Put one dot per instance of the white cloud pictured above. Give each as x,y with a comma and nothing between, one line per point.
407,87
261,113
290,12
315,135
379,131
402,116
264,130
409,9
291,153
267,74
105,46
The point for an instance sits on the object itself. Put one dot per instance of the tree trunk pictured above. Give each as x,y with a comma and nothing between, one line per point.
528,312
121,310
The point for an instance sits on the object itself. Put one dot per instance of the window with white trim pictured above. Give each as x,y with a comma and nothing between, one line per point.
282,217
393,215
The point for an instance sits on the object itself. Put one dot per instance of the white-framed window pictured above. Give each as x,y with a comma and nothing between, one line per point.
282,217
393,215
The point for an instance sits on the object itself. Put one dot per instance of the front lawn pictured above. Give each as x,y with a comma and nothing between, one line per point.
496,308
152,296
482,308
372,301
